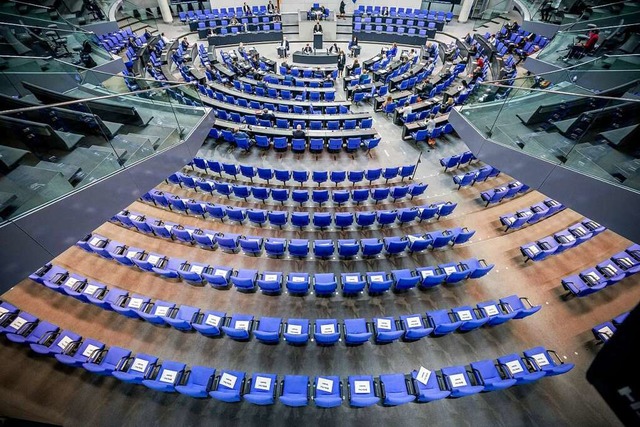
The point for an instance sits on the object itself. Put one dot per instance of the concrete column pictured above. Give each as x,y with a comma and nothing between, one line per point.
465,11
166,11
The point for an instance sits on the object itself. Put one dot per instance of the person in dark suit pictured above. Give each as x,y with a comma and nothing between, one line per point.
266,115
271,8
283,49
184,43
246,9
298,133
342,60
317,28
342,11
307,49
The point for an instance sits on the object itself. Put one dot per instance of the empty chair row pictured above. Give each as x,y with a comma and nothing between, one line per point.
457,160
504,192
329,94
536,213
561,241
343,122
302,176
604,331
479,175
167,376
223,277
282,195
294,331
607,273
320,220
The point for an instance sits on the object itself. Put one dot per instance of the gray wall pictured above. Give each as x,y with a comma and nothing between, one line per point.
31,241
613,206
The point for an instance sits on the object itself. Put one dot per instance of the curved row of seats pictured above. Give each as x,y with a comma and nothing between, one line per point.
321,220
270,330
223,277
457,160
536,213
479,175
286,94
504,192
284,123
168,376
606,273
560,241
302,176
604,331
282,195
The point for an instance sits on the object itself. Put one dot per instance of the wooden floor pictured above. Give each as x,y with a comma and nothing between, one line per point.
38,388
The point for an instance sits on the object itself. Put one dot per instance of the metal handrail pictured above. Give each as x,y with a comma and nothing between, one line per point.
32,5
115,75
597,28
29,27
561,92
93,98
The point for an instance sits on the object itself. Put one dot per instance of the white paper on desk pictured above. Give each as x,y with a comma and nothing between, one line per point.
414,322
540,359
262,383
228,380
168,376
324,384
465,315
135,303
491,310
514,367
88,351
327,329
242,324
362,387
213,320
139,365
384,324
294,329
64,342
458,380
423,375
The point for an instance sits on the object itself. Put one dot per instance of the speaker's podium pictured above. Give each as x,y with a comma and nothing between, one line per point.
317,41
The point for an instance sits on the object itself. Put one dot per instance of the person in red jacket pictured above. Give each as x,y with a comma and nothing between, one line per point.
579,49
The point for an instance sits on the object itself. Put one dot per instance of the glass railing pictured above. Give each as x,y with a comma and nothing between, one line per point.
483,17
66,127
567,125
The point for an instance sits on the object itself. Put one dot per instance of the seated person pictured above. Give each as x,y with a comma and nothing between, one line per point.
307,49
240,133
298,133
385,11
579,49
266,114
233,21
317,28
492,40
286,65
352,67
386,102
352,45
393,51
477,72
184,43
334,48
241,49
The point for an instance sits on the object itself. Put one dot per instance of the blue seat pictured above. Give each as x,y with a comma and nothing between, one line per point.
299,248
244,279
352,283
219,277
262,389
298,283
404,279
300,219
517,305
139,368
395,390
324,283
337,177
270,282
414,327
327,392
167,377
260,193
362,391
300,196
268,330
319,177
340,196
320,196
239,327
300,176
365,219
371,247
386,217
251,245
427,385
228,386
282,175
379,194
296,331
275,246
489,374
28,332
396,245
199,380
471,317
542,359
386,329
517,369
105,363
295,390
442,322
497,313
257,216
360,195
356,331
348,248
458,381
326,331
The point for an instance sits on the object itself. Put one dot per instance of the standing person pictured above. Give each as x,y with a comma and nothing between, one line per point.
283,49
352,44
246,9
271,8
317,28
545,10
342,12
342,60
